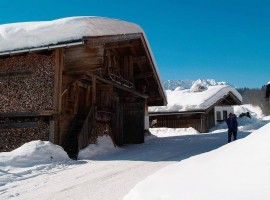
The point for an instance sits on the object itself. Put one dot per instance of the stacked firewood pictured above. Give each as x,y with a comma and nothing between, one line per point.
103,129
11,139
29,91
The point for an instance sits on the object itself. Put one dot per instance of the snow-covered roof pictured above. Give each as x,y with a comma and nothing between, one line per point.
26,35
190,100
35,34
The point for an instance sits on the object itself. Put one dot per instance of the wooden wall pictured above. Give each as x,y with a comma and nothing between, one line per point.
178,121
201,122
118,113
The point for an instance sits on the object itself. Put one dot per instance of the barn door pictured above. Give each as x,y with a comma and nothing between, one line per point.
133,122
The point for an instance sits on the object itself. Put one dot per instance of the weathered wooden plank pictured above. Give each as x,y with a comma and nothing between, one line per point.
76,102
57,98
15,73
82,51
120,86
130,67
140,59
94,92
18,125
122,44
30,114
82,71
69,63
100,40
144,75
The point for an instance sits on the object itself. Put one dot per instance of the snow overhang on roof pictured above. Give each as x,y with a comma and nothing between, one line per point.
187,100
28,35
34,36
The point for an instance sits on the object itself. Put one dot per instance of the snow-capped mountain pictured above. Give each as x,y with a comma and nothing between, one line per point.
188,84
172,84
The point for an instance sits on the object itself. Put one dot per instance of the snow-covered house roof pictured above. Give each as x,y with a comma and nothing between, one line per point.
192,100
44,33
35,36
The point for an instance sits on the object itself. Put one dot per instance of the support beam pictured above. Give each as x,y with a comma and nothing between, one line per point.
144,75
122,44
57,98
121,87
101,40
140,59
94,85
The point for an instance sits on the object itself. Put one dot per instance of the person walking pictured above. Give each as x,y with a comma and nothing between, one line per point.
232,127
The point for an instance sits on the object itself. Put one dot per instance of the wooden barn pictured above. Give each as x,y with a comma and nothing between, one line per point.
198,109
92,76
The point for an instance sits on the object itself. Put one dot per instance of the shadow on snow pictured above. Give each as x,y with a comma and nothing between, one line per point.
167,149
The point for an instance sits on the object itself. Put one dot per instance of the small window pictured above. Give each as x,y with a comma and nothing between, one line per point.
218,115
225,114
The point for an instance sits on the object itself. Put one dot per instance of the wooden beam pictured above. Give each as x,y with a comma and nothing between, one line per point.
57,91
88,94
124,44
121,87
76,103
130,67
44,113
59,77
80,71
16,73
140,59
126,66
144,75
101,40
94,86
18,125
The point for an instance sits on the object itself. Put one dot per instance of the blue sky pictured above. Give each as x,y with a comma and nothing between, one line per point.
227,40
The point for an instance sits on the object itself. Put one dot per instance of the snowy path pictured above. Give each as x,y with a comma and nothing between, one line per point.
112,175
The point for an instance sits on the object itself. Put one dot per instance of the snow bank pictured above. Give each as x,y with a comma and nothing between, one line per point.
237,171
185,100
255,111
256,121
37,34
168,132
33,153
103,145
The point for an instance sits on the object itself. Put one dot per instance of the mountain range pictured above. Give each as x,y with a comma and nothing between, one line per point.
187,84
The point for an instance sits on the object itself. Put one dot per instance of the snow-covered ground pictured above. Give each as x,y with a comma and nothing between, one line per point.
237,171
110,173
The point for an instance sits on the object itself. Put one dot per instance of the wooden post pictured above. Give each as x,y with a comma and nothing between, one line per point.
88,101
126,67
58,68
94,92
76,92
130,69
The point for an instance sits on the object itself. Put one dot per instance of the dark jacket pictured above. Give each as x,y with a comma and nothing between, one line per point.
232,123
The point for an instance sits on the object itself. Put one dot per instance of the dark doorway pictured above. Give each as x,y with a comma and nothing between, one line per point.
133,122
